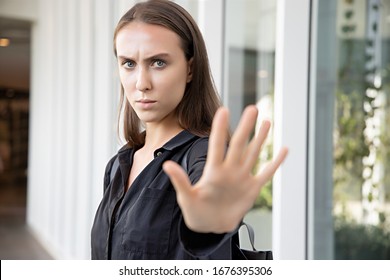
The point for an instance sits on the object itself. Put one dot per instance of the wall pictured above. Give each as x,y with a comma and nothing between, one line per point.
72,126
19,9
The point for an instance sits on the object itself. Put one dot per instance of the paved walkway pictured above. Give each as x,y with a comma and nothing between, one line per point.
16,241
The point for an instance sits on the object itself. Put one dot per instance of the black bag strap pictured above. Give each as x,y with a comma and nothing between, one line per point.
242,254
114,168
184,161
251,234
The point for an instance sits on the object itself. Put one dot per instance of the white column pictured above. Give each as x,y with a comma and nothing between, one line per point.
210,22
69,96
291,96
40,171
72,125
104,99
84,131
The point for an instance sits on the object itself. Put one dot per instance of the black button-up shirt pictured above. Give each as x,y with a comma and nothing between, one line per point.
146,222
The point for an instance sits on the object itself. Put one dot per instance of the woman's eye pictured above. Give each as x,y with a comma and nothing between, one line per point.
159,63
129,64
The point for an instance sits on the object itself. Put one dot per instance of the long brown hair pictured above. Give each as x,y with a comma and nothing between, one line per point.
200,101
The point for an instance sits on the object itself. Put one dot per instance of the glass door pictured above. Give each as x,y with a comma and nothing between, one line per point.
249,62
349,143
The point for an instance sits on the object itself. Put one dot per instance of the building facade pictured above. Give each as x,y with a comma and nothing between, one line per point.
318,69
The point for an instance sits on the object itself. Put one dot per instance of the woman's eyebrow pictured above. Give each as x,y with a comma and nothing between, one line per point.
159,55
152,57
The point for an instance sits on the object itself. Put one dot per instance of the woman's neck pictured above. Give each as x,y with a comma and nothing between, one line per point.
157,136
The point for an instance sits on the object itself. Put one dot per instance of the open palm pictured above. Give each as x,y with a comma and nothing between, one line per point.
227,189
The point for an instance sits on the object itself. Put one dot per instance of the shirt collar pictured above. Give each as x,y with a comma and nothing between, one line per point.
180,139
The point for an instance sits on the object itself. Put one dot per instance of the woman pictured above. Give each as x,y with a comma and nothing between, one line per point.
165,200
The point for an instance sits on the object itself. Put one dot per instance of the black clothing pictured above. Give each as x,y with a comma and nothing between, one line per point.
146,222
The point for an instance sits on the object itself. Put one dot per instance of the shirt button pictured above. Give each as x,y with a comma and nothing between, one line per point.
159,154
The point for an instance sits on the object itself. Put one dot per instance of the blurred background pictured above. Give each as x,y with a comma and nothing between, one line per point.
319,70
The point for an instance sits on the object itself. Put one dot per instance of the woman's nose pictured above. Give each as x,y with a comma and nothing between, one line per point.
143,80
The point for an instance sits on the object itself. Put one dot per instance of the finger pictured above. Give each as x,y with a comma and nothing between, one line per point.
253,151
241,135
218,135
267,173
178,177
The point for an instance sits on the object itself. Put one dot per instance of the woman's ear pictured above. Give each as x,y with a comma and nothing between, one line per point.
189,70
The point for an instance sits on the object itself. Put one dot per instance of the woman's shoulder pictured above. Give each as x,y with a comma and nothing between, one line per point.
199,144
195,157
197,150
115,158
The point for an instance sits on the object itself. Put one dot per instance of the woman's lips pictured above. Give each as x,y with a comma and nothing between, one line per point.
145,103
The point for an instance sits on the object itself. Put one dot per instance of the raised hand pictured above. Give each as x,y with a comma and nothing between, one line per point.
227,189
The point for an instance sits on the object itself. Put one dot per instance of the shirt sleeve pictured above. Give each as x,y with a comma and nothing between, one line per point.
202,245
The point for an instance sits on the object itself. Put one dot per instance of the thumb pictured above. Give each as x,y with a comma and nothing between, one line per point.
179,178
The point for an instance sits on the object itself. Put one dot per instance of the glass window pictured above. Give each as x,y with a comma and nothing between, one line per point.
349,176
249,79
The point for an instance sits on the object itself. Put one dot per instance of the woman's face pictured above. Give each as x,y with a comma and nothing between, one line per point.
153,70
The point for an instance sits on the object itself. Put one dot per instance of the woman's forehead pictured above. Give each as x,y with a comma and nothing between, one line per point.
146,33
137,36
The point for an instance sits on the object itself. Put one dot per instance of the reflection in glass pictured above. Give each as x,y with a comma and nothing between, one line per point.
350,204
249,79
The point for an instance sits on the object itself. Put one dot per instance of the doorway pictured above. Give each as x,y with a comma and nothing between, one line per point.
16,241
14,116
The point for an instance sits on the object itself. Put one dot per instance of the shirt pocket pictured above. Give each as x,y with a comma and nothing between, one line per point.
148,224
